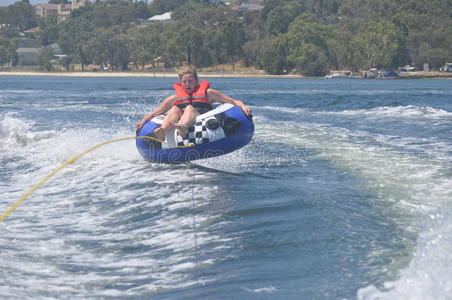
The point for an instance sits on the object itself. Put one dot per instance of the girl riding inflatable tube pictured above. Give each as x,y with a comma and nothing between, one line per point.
222,130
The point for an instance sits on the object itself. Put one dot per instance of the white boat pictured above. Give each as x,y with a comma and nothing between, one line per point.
338,76
373,73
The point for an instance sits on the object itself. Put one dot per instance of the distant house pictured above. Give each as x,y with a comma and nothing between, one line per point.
28,56
61,11
160,18
46,10
56,50
31,33
250,7
64,10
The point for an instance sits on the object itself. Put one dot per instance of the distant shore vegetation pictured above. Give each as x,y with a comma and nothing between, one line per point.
307,37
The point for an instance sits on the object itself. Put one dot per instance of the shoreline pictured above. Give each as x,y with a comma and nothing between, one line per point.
413,75
142,74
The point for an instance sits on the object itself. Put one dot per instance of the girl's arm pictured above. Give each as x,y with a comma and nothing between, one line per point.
161,109
215,95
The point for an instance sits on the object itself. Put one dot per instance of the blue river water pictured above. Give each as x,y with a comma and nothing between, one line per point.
344,193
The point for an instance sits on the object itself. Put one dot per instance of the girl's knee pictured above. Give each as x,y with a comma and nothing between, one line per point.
189,108
176,109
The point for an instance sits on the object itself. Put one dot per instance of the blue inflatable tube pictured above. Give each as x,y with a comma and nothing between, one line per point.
219,131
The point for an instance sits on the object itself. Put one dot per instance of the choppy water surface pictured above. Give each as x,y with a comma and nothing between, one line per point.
344,193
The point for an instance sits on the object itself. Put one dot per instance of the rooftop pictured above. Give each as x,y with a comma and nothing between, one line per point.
163,17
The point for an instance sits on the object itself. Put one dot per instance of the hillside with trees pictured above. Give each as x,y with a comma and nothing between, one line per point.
308,37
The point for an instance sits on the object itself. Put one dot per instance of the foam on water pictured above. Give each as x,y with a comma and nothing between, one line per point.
114,226
378,119
15,132
84,228
415,191
409,111
428,275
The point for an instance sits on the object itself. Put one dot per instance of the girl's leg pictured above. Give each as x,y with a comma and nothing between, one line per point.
174,114
189,116
186,120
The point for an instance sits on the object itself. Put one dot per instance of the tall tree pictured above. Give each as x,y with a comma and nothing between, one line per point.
45,57
20,15
234,37
273,54
308,44
7,50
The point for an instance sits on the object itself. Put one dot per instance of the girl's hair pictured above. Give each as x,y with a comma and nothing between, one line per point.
187,69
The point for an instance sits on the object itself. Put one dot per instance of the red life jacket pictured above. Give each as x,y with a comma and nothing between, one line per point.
198,98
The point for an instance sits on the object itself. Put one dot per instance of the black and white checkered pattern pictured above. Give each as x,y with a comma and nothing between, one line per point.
197,134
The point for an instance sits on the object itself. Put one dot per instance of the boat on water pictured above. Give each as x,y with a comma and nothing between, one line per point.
390,73
222,130
372,74
339,76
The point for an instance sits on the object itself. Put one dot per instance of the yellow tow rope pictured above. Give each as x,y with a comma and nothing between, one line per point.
68,162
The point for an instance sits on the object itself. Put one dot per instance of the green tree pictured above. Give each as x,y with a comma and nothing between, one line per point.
95,50
75,32
280,17
435,57
146,45
191,40
158,7
214,51
45,57
141,10
173,52
272,56
234,37
120,52
19,15
379,44
48,33
251,51
310,35
7,50
108,48
308,43
184,12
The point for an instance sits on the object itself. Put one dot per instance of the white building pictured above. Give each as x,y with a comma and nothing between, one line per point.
161,18
61,11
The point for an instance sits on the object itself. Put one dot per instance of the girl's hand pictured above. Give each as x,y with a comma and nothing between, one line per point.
246,109
140,124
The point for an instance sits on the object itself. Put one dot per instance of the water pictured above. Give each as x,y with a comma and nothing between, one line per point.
344,193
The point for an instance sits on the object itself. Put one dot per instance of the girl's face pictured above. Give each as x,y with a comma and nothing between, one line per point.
188,82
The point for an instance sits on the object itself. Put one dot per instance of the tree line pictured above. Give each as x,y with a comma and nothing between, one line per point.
308,37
